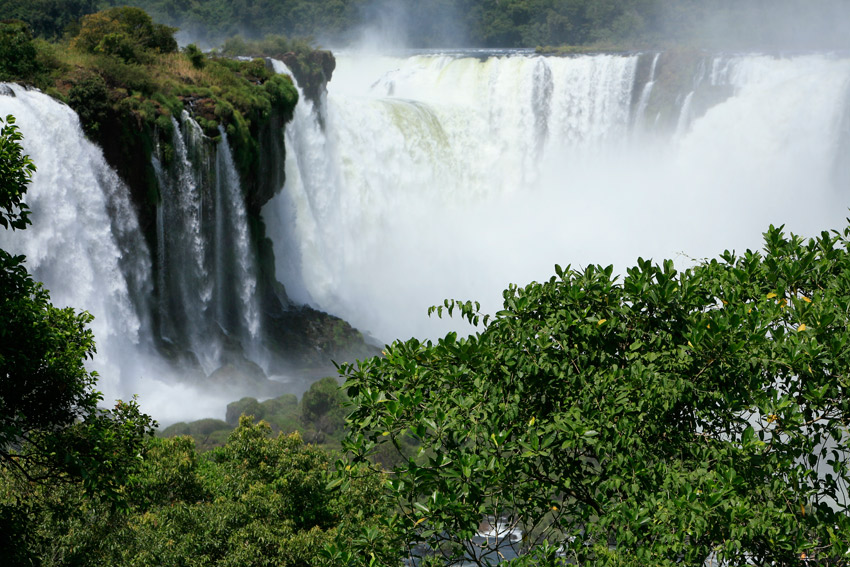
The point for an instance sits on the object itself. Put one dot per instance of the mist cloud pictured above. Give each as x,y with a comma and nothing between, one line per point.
760,24
400,24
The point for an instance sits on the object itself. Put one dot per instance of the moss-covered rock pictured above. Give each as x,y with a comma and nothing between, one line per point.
312,68
319,417
313,71
207,433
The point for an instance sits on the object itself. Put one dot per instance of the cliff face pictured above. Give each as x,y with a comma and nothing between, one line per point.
169,148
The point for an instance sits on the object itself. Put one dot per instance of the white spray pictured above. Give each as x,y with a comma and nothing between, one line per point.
450,176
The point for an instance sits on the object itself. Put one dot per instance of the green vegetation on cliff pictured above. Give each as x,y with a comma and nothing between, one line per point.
312,67
125,77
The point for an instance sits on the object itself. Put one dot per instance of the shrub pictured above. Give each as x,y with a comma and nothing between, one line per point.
196,56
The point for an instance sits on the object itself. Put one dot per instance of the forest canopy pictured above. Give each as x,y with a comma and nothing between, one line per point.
608,24
515,23
47,18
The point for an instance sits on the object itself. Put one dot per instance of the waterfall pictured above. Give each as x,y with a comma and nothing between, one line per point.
207,269
234,240
422,178
75,246
646,92
86,245
448,175
186,290
685,115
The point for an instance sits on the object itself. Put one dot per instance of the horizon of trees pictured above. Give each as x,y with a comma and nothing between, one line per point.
617,24
515,23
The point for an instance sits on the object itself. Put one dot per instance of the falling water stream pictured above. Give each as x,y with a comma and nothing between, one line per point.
86,245
451,176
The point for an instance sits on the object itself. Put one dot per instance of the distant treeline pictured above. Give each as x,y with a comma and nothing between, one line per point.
487,23
517,23
47,18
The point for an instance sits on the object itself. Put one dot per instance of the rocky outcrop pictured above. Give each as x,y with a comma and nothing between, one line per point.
313,71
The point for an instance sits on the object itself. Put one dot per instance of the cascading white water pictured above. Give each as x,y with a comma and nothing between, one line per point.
73,244
186,287
85,244
643,102
685,115
234,241
451,176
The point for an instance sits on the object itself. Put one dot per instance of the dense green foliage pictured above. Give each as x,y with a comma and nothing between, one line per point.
671,415
16,171
258,500
18,55
215,20
127,33
517,23
48,18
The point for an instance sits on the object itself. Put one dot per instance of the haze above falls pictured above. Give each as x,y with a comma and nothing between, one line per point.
452,175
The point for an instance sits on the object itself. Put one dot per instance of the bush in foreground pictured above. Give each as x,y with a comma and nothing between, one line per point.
669,416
